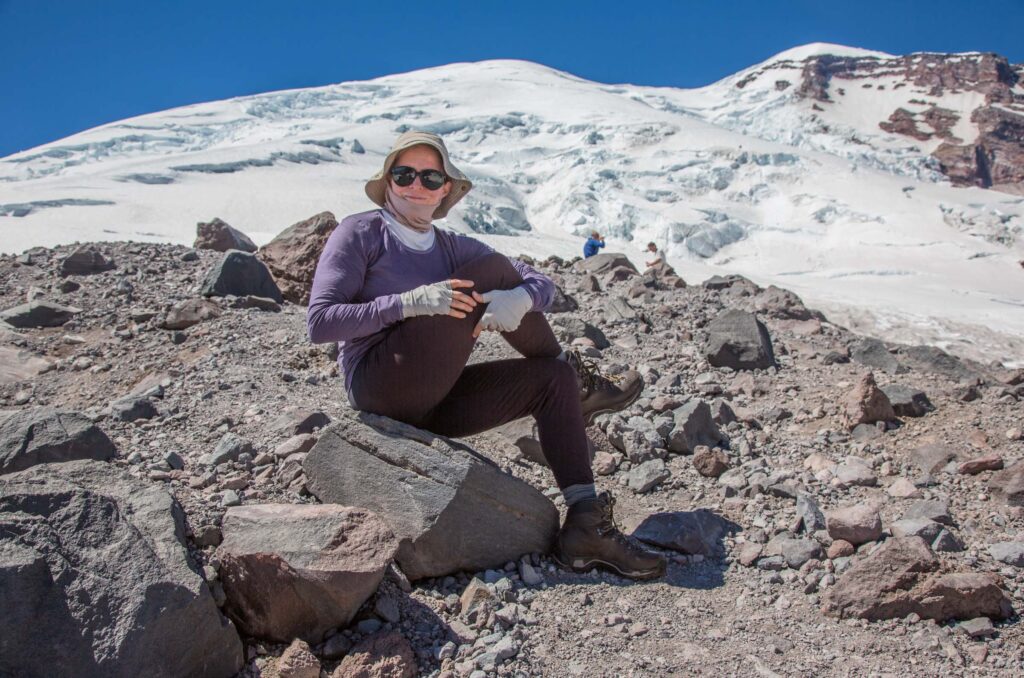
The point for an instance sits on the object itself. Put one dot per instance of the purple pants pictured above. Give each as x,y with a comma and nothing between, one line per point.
418,374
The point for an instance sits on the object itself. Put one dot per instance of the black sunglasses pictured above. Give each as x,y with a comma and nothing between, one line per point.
431,179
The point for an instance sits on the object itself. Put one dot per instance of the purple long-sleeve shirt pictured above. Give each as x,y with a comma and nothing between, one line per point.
363,270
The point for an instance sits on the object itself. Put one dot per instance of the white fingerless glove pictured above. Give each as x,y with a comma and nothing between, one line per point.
433,299
505,309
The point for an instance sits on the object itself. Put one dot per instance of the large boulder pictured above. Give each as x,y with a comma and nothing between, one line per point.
43,436
85,260
298,571
218,235
293,255
873,353
38,314
451,508
240,274
897,579
738,340
605,262
935,360
96,580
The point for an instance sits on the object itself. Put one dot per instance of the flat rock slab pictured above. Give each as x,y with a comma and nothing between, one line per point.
900,578
38,314
451,508
97,580
44,436
17,364
690,532
298,571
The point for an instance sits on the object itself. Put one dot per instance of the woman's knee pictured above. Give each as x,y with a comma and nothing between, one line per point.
490,272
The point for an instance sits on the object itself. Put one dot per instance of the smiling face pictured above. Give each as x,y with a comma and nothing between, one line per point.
420,158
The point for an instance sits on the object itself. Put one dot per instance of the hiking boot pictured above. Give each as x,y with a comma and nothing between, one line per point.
590,538
600,394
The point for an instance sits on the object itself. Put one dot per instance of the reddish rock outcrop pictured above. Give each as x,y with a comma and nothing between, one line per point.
292,256
896,580
300,570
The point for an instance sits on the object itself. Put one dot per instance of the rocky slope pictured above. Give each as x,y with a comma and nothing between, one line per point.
784,493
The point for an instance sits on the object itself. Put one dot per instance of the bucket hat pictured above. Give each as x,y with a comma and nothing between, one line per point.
377,184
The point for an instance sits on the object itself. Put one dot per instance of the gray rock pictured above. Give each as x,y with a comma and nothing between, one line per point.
934,359
190,312
98,560
568,327
946,542
648,475
873,353
810,513
979,627
230,447
796,552
86,260
133,408
218,235
618,310
738,340
907,401
690,532
38,314
694,426
1008,484
1008,552
296,421
301,570
933,457
916,527
858,524
854,471
240,273
44,436
931,509
451,508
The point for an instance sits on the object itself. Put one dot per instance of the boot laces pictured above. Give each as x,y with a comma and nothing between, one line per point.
589,373
609,528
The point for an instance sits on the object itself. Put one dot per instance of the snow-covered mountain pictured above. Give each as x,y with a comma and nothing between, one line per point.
801,171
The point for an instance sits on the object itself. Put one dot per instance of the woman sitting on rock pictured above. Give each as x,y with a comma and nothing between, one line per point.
406,302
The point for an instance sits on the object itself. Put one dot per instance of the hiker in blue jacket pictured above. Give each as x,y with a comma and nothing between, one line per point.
594,243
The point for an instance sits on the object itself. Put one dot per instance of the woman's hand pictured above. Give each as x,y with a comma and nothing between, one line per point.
505,309
441,298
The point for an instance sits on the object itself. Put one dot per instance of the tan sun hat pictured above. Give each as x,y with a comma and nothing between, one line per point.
377,184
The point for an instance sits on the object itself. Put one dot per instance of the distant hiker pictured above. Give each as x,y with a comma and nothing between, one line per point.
593,244
406,301
658,260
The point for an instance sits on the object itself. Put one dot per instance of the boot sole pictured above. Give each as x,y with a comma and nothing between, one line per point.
654,573
589,418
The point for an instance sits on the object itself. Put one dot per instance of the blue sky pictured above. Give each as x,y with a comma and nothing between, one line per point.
68,65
